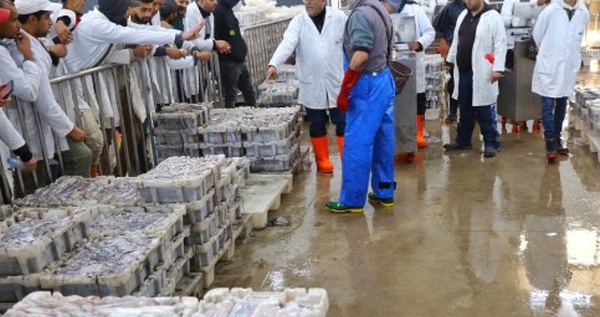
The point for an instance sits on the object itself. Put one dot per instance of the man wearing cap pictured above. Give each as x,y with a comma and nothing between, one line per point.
367,94
34,16
25,83
316,35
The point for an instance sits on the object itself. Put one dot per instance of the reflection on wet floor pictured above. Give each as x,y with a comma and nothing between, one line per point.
507,236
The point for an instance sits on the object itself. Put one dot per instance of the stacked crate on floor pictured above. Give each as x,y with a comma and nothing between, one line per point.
280,92
209,188
100,250
176,133
433,77
587,109
268,137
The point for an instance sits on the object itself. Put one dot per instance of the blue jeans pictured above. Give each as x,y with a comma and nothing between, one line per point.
468,115
553,115
318,121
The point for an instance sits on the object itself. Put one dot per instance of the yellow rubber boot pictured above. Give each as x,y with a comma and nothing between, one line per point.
421,141
340,140
321,148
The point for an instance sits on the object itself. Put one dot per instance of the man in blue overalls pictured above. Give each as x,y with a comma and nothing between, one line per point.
367,93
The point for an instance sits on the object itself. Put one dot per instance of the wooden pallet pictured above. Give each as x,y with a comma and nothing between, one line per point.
262,193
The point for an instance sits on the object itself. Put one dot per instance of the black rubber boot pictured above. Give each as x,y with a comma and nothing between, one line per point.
559,146
551,154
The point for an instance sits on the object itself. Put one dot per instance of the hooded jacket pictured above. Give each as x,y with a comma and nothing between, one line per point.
114,10
227,28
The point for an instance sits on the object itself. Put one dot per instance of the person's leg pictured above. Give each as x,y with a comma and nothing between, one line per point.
230,72
453,103
482,113
244,84
318,137
466,122
338,118
548,122
77,160
93,138
559,117
382,180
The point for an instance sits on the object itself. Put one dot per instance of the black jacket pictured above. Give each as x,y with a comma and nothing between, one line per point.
227,27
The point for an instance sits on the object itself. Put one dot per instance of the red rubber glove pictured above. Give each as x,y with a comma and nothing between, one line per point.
490,58
350,79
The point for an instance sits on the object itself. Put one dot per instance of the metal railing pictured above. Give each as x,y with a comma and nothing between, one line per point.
262,40
122,99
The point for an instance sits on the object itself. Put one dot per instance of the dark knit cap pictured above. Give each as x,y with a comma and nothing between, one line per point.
114,10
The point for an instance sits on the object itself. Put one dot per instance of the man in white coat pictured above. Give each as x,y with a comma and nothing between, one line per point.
197,11
478,53
316,35
558,33
412,17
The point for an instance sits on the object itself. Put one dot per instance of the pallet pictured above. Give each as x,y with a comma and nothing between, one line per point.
263,193
208,271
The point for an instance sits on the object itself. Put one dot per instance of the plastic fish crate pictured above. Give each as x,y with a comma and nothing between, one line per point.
229,150
188,149
164,222
212,135
178,120
279,163
120,279
256,134
15,288
203,231
6,211
177,137
203,254
55,231
270,149
165,191
175,273
312,302
199,210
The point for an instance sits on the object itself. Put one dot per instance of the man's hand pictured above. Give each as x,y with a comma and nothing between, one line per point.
271,72
496,76
443,47
59,50
24,46
30,165
448,69
141,51
76,134
175,53
203,55
414,46
350,79
63,33
194,32
223,47
5,101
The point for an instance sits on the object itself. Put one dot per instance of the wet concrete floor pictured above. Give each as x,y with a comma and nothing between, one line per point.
468,236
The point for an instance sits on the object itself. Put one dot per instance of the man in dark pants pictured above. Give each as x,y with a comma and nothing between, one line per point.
444,24
478,53
234,72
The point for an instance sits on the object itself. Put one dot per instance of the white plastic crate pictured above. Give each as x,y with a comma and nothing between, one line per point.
199,210
299,302
176,137
35,237
188,149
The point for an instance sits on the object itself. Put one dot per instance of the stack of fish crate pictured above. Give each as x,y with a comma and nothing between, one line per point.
434,90
210,189
176,133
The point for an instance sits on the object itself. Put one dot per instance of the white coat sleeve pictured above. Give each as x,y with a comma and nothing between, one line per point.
50,112
499,45
427,30
25,81
507,12
288,45
8,134
109,32
540,27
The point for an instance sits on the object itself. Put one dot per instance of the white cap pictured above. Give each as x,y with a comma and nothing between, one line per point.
25,7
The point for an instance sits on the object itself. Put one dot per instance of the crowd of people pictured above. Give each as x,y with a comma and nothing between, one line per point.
43,40
343,67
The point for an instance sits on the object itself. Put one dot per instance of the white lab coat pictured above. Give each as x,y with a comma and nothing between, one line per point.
490,39
193,16
424,32
52,117
319,59
559,45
